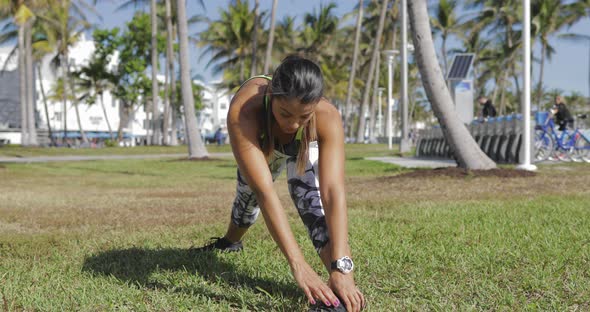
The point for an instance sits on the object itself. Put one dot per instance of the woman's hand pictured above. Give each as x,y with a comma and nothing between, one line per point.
311,284
343,285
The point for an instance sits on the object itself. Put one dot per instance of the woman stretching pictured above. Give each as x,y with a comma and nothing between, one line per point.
284,121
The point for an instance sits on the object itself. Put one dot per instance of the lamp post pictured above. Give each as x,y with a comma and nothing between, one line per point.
380,115
389,55
526,94
404,143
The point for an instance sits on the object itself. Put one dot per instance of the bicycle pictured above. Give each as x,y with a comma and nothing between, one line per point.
574,145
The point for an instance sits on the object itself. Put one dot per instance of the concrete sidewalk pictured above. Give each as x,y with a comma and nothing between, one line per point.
407,162
38,159
414,162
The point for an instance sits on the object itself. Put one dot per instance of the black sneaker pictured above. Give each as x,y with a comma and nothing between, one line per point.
221,244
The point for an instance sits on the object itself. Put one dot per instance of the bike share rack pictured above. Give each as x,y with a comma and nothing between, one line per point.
500,138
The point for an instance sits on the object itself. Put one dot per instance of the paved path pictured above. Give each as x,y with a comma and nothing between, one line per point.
413,162
409,162
99,157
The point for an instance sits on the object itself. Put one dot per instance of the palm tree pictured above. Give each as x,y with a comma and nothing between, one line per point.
196,148
254,38
169,92
271,35
229,41
355,53
31,124
376,50
155,110
66,22
23,18
170,39
500,17
287,37
92,80
465,149
43,45
580,38
551,16
445,23
318,32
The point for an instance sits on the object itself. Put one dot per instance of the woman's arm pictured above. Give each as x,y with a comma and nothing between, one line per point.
243,125
331,175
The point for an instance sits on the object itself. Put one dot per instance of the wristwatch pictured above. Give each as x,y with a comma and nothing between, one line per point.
344,265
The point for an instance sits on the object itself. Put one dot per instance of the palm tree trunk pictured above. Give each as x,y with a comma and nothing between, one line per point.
373,108
166,117
465,149
169,71
64,68
541,69
155,94
173,131
106,117
31,124
444,54
173,104
365,106
517,85
503,93
24,129
497,85
355,53
75,104
268,57
242,69
123,120
394,122
82,133
51,138
196,148
254,38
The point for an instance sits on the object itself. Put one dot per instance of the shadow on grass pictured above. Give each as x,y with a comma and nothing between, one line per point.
136,265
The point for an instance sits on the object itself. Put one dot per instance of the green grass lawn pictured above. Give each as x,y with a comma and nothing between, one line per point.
18,151
103,236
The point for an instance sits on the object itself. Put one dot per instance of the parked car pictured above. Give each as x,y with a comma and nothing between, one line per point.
209,137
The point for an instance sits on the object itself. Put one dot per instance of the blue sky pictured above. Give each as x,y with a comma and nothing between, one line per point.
567,70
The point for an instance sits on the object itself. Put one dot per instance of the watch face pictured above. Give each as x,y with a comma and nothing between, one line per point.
345,265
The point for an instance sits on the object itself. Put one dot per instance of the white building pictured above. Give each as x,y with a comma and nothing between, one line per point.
216,105
92,117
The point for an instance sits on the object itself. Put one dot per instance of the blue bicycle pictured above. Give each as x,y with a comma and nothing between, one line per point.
564,145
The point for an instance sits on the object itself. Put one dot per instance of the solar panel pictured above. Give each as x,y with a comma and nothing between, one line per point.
461,66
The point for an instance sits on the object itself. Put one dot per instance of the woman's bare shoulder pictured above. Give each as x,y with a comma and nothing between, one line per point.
328,119
250,96
248,100
327,112
252,90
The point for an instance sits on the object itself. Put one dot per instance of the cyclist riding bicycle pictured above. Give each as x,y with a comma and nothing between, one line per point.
562,115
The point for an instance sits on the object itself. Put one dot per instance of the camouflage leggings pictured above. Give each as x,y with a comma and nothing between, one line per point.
304,190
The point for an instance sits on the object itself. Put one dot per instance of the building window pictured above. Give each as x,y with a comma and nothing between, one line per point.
113,101
223,106
95,120
57,116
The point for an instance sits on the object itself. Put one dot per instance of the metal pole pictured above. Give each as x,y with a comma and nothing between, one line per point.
526,94
380,115
405,143
390,54
389,99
